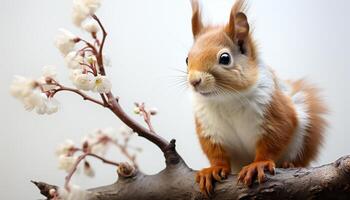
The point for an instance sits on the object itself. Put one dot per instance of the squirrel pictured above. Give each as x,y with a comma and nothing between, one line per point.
247,119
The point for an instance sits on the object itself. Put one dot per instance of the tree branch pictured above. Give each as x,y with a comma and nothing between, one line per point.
83,95
330,181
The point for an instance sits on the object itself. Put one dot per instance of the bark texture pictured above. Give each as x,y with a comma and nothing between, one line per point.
176,181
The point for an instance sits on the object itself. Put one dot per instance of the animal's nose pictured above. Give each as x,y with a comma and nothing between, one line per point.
196,82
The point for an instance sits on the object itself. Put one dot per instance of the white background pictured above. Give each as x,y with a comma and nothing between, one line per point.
148,40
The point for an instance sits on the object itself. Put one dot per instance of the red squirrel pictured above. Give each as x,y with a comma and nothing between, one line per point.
247,119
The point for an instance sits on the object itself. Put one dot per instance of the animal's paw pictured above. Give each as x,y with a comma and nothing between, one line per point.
206,177
287,165
249,172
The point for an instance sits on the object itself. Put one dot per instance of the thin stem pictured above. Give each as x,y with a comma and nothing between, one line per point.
77,162
136,127
123,149
83,95
146,117
100,52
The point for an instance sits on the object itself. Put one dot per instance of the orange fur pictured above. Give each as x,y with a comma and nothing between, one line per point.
219,163
316,110
280,118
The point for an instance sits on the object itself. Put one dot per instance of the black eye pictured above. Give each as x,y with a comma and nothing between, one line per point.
186,60
224,59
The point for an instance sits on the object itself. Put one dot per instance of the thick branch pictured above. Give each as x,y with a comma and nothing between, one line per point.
330,181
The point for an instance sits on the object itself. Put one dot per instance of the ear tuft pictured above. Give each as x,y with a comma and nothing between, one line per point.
197,24
238,27
241,26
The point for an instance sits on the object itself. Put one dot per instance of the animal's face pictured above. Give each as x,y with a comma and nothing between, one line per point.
222,59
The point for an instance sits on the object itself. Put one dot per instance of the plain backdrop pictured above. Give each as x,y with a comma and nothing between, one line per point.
148,42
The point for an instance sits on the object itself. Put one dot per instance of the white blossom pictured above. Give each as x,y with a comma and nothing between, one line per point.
74,73
153,111
98,147
73,60
75,193
82,9
48,106
137,110
66,162
49,71
102,84
84,81
91,59
21,87
65,41
65,148
25,90
80,12
34,99
92,5
91,26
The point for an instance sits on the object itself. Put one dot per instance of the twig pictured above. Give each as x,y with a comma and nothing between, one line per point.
146,116
77,162
100,52
85,97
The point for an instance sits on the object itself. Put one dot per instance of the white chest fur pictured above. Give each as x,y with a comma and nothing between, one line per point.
234,120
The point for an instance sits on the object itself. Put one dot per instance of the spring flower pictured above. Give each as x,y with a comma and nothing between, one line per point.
22,87
47,106
82,9
153,111
80,12
84,81
34,100
73,60
91,26
49,72
92,5
137,110
65,41
65,148
91,59
66,162
102,84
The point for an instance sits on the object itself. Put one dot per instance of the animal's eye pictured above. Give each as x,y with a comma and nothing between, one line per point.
186,60
225,59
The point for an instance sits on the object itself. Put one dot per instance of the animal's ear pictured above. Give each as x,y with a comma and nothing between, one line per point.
238,26
197,24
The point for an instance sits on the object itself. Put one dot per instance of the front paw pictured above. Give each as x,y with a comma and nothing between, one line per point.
206,177
248,173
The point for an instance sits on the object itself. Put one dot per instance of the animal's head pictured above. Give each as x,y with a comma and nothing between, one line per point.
223,59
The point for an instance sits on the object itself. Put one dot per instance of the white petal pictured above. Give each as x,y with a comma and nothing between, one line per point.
91,26
21,87
49,71
73,60
65,41
84,81
102,84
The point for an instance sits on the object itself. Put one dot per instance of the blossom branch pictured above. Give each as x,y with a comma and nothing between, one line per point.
100,53
77,162
146,115
83,95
